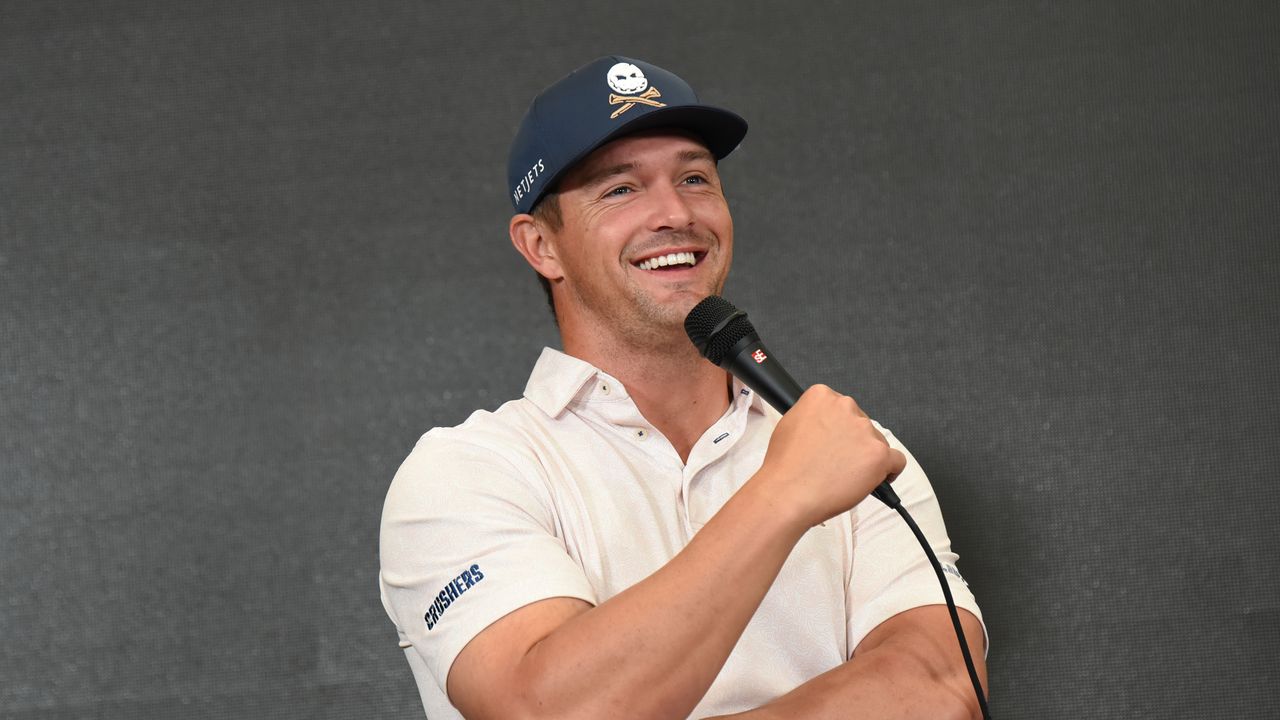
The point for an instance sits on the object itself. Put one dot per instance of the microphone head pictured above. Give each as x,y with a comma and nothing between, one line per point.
715,325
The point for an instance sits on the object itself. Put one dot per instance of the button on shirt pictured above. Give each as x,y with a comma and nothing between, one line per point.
570,492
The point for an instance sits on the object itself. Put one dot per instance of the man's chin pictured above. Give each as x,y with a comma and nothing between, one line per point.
682,299
661,316
663,313
677,307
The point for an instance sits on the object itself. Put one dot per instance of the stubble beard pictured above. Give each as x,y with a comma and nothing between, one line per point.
639,321
660,325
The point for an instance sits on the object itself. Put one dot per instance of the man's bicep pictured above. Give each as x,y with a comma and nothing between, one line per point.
890,572
485,679
928,634
933,621
467,539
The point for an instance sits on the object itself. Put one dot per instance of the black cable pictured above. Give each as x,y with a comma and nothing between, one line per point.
890,498
723,335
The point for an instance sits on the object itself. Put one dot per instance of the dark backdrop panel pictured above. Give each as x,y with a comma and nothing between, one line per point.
250,251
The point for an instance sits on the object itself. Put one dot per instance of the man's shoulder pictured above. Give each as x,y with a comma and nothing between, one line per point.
489,444
503,431
488,454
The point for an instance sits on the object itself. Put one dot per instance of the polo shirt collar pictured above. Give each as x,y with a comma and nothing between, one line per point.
558,378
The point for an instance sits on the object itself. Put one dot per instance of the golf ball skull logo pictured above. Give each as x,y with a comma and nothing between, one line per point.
627,79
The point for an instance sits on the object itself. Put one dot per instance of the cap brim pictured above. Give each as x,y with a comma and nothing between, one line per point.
721,130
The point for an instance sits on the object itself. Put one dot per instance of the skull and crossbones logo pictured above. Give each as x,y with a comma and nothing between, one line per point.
629,81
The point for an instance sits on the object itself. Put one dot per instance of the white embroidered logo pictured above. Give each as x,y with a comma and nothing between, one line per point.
627,79
629,82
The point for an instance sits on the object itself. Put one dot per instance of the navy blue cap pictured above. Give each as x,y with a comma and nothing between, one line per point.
601,101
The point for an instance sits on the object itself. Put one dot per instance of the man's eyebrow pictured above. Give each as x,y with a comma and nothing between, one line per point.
605,173
699,154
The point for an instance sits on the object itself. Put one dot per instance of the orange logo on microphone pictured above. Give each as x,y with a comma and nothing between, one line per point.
759,356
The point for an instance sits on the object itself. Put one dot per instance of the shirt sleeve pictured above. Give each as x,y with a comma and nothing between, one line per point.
890,573
467,537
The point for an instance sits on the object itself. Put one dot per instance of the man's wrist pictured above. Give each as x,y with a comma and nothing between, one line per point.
769,492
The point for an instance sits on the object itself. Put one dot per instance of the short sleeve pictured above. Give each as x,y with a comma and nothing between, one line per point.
467,537
890,572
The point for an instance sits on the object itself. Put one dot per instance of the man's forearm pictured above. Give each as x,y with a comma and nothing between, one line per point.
654,649
914,672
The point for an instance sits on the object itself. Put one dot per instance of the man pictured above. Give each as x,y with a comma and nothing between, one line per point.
640,535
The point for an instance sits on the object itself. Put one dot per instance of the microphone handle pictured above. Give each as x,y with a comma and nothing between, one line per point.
750,361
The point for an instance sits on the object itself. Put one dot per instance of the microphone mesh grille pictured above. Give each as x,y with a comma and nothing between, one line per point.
703,319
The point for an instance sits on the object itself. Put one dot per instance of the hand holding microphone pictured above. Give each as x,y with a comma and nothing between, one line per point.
825,448
830,454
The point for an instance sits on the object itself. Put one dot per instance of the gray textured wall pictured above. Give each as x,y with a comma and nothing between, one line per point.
250,251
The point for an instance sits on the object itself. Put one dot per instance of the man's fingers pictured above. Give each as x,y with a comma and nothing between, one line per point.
844,400
879,434
852,405
898,462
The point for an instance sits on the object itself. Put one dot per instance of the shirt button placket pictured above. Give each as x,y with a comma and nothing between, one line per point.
685,488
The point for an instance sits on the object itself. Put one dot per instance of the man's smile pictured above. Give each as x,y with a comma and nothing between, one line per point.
670,261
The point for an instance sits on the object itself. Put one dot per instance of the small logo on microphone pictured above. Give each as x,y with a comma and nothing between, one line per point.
759,356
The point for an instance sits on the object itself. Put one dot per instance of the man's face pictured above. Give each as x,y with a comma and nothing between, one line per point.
633,201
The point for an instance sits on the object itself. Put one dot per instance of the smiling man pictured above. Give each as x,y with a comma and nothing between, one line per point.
640,535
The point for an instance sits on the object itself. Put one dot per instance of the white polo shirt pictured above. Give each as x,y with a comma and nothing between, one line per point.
570,492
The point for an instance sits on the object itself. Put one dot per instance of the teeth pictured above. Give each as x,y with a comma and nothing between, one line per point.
680,258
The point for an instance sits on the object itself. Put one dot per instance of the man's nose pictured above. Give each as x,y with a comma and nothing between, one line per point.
670,210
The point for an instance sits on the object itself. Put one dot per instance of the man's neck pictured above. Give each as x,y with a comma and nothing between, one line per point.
674,387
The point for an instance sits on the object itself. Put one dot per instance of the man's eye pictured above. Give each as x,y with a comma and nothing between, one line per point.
620,190
695,180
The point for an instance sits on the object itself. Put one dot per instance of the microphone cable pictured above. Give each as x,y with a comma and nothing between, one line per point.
891,499
725,337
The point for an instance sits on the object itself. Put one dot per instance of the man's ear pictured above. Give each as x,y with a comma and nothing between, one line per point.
538,249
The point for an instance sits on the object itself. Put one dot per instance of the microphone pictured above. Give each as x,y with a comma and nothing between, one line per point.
723,335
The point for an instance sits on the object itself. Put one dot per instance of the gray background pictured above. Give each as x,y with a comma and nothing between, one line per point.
250,251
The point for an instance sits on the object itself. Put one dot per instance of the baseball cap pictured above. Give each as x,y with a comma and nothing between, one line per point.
601,101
